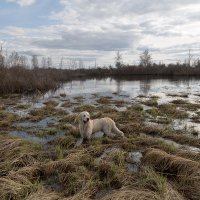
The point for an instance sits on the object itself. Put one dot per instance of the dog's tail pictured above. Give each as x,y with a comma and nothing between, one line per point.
117,131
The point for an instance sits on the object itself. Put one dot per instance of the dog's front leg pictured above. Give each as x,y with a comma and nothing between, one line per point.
89,133
81,131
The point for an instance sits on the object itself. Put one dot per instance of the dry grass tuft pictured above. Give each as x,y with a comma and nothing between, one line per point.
64,142
171,111
23,160
45,194
17,185
104,100
51,104
170,164
67,104
13,153
186,172
179,101
88,108
39,114
151,102
132,194
74,181
69,118
68,164
6,119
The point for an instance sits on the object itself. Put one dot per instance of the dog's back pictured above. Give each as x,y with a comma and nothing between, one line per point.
100,124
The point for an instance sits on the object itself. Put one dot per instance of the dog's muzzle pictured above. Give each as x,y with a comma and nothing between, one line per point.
87,120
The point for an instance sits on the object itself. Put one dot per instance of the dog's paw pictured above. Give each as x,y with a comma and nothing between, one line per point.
124,137
79,142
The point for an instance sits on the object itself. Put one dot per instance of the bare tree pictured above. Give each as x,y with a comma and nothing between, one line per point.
44,62
14,59
35,63
73,64
2,58
118,60
23,61
145,58
61,64
189,58
80,64
49,62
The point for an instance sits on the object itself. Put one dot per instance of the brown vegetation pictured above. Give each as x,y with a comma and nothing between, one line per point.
186,172
98,169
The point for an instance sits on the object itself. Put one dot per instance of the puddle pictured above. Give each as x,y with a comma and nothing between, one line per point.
35,139
24,112
38,105
134,161
190,128
40,125
120,109
17,111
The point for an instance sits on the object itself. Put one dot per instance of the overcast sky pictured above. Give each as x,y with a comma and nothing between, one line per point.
91,29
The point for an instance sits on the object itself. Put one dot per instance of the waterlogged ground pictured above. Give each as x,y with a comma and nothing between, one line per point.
159,159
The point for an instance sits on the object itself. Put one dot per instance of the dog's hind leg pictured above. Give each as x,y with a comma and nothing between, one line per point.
117,131
107,131
97,135
109,134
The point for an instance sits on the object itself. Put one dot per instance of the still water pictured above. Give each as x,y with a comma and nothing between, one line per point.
132,87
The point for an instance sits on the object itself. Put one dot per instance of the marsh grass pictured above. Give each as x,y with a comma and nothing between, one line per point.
69,118
39,114
119,103
179,101
104,100
6,119
51,104
151,180
46,132
150,102
88,108
178,95
65,142
184,170
63,94
79,99
60,171
171,111
59,152
67,104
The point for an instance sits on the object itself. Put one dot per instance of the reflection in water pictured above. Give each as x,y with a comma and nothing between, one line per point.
145,86
119,85
132,87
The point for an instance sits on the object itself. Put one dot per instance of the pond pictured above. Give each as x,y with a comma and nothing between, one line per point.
132,87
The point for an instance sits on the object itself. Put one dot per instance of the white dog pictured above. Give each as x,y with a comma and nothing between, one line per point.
89,127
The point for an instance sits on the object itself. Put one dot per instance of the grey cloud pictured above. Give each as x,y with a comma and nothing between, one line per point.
85,40
31,53
143,48
147,6
104,8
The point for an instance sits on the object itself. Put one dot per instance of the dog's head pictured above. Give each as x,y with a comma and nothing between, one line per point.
83,117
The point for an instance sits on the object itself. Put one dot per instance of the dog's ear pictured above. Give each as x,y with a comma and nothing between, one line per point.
77,118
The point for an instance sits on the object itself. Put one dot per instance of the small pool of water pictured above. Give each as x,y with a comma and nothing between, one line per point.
35,139
44,123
